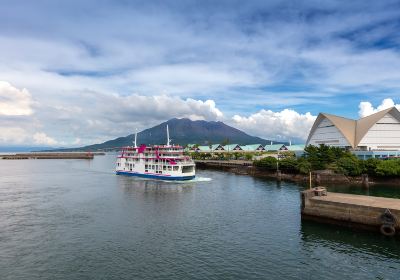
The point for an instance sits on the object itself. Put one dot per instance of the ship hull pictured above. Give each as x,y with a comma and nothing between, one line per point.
154,176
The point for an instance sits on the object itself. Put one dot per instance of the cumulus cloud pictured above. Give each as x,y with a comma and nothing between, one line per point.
182,60
162,107
109,115
366,108
14,101
40,138
284,125
13,135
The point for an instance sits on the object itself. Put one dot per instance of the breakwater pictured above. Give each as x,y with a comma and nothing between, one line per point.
354,211
73,155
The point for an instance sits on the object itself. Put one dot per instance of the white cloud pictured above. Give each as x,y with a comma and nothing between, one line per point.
104,116
284,125
13,101
183,61
366,108
87,117
13,135
40,138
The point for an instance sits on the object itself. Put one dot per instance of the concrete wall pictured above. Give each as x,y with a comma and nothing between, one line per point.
346,214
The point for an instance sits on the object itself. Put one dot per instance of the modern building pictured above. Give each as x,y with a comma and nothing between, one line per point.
377,132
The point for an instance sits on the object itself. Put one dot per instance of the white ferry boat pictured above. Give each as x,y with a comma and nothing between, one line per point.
164,162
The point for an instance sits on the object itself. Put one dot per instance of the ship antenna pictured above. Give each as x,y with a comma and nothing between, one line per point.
135,142
168,140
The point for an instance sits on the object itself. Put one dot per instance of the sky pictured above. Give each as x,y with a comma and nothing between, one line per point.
74,72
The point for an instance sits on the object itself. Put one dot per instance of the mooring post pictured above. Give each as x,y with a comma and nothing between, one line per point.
365,181
278,175
318,179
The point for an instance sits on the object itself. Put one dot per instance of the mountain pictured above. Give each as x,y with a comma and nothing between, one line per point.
184,131
19,149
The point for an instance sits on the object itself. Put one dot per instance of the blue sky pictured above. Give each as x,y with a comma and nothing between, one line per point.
81,72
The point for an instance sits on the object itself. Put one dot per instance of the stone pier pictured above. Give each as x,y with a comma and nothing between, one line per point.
355,211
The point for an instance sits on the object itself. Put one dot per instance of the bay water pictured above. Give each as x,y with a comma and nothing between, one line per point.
76,219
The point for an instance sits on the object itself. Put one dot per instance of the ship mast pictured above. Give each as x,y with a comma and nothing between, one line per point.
134,142
168,140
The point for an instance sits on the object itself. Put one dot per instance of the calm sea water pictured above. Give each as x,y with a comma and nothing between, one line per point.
75,219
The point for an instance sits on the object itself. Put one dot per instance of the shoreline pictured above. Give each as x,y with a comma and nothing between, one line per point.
318,177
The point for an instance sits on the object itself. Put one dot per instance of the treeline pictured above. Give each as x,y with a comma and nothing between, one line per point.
331,158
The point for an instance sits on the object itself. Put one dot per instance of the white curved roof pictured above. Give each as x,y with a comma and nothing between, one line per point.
353,130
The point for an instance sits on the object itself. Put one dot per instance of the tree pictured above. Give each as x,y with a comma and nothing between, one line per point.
369,166
389,167
288,164
266,163
349,165
248,156
303,166
320,157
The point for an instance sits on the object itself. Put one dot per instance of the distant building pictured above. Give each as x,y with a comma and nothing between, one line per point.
217,147
253,148
377,132
204,149
295,148
275,147
232,147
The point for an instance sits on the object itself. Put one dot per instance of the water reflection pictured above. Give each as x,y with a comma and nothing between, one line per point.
138,185
347,240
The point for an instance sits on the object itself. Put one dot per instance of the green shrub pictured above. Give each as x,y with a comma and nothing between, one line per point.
388,168
248,156
266,163
289,164
369,166
349,165
303,166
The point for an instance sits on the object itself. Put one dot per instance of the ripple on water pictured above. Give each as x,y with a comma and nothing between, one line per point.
77,220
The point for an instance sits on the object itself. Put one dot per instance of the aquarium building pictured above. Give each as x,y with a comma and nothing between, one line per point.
379,132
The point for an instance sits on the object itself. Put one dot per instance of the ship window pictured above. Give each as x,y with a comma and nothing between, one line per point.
176,168
164,167
187,169
169,168
146,166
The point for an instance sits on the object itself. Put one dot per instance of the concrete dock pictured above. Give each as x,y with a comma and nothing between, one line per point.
39,155
355,211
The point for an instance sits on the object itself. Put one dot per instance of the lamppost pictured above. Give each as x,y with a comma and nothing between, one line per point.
277,161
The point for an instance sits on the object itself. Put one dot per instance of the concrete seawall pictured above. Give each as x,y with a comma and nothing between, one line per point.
354,211
323,177
48,156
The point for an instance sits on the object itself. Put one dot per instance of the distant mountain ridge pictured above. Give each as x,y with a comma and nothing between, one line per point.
184,131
